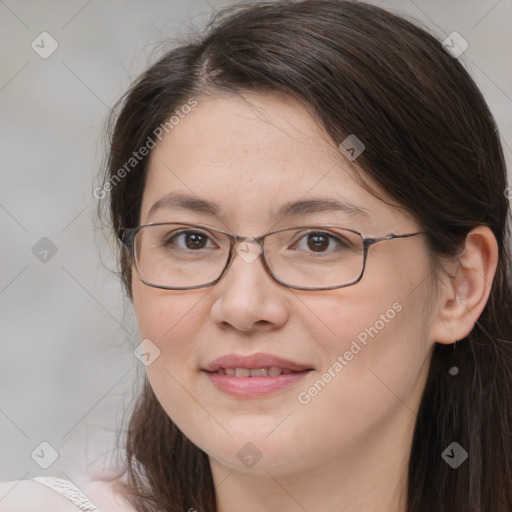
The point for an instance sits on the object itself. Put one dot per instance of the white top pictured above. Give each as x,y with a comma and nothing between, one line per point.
69,491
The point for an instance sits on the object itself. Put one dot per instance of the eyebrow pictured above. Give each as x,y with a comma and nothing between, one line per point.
180,201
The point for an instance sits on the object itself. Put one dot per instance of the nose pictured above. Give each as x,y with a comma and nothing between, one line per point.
247,297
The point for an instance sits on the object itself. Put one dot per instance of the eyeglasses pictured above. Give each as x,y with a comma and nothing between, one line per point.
184,256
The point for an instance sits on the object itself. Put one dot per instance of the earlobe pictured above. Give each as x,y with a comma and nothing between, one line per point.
467,290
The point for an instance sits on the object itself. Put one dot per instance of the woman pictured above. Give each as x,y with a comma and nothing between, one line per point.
356,358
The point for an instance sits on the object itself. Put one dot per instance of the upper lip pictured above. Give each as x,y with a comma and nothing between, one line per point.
254,361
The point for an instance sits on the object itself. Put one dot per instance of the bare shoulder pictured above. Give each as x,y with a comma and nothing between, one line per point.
32,496
106,495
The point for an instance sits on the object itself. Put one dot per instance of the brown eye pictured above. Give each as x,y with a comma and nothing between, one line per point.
318,242
321,242
187,240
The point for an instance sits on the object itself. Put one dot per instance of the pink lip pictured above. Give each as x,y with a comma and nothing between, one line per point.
249,387
254,361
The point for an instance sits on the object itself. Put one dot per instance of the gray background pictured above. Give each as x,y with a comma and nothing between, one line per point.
67,371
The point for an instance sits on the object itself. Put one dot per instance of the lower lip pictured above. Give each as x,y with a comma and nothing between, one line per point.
248,387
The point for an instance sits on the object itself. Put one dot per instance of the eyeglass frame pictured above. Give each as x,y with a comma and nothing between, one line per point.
127,238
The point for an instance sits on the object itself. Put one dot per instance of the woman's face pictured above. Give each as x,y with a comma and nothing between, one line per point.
366,346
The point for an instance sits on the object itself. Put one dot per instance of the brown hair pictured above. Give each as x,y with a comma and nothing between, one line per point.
431,144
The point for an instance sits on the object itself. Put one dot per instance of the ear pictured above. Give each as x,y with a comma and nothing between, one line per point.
466,290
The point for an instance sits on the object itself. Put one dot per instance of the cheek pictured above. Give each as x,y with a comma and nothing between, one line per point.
171,321
379,328
374,371
376,354
166,317
375,329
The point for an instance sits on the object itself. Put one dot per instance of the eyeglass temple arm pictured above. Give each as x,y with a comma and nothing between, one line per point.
390,236
126,236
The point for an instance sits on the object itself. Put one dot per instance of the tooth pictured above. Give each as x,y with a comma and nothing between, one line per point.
259,372
272,371
242,372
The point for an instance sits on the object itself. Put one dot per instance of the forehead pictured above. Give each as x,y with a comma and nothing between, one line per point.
253,157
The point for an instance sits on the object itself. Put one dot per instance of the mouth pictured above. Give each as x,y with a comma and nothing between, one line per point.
254,376
271,371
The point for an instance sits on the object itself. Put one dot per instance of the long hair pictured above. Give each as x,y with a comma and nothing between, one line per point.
431,144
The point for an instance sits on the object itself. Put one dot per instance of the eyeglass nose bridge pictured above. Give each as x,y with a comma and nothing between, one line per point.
247,247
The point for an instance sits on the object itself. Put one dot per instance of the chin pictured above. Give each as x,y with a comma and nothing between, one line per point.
256,454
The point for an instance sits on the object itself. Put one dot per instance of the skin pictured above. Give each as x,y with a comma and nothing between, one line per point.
347,449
